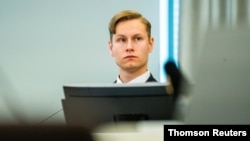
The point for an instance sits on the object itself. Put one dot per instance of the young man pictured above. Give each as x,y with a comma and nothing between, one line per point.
130,44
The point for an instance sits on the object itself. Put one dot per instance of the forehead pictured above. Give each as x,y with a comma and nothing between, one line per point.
135,25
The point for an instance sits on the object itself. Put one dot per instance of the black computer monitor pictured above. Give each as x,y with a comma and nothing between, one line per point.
91,105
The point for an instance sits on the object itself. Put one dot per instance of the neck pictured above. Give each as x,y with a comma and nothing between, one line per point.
126,76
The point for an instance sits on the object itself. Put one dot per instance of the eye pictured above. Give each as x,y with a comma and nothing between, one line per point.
138,38
121,40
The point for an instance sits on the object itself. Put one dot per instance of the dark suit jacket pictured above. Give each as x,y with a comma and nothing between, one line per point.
150,79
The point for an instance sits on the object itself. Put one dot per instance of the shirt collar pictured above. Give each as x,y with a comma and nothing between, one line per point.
140,79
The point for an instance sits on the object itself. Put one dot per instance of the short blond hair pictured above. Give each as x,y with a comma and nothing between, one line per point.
125,16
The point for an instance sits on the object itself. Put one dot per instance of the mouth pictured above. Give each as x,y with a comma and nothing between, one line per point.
130,57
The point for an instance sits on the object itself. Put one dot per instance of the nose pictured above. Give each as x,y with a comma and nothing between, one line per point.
130,46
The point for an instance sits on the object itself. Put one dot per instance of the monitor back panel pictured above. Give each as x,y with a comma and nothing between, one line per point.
92,112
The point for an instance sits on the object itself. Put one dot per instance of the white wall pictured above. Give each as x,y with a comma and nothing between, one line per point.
214,55
47,43
199,17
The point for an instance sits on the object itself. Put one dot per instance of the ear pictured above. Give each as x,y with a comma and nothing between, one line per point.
151,44
110,48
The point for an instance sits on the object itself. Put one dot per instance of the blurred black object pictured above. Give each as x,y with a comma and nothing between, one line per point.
177,82
178,86
44,133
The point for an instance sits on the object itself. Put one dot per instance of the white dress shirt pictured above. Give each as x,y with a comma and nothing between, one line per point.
140,79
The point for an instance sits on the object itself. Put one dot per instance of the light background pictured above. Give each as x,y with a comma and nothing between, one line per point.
47,43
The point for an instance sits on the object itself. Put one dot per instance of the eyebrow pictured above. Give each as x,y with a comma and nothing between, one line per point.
121,35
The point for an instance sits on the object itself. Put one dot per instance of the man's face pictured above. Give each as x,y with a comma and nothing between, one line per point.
130,46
